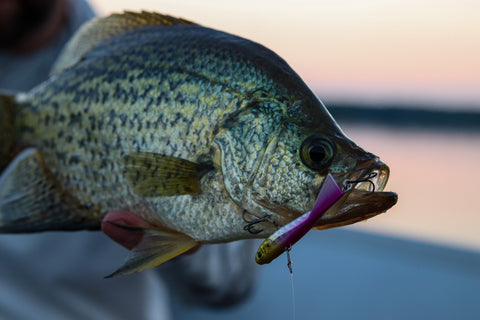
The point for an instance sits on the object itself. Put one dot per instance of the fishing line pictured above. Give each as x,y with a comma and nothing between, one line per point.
289,265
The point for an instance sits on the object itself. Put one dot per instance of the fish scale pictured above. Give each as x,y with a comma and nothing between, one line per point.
94,168
190,129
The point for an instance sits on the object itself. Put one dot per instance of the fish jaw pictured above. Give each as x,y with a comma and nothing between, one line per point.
356,202
358,206
361,201
363,198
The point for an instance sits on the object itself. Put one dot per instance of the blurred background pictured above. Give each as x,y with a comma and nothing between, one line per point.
402,78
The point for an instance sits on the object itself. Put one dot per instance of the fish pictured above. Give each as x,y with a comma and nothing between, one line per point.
204,136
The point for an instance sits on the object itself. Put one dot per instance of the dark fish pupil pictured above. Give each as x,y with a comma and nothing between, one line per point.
317,153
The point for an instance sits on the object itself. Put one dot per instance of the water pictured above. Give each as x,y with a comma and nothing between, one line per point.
346,274
409,263
436,175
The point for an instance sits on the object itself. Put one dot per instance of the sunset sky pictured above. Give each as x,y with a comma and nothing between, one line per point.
423,51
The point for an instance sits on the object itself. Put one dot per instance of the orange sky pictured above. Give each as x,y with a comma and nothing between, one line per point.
435,175
403,50
423,50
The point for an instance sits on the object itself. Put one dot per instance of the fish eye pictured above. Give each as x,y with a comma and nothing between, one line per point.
317,152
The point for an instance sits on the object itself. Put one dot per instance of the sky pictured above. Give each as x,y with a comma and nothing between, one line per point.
419,52
435,175
422,52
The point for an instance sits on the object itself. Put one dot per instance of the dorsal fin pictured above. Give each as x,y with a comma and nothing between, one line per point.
99,29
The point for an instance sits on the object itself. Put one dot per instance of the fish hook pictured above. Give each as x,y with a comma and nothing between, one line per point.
250,227
371,175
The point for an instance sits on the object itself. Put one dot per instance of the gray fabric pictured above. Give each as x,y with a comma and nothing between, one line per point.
343,274
60,275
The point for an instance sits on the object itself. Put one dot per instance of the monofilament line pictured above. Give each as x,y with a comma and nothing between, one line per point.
289,265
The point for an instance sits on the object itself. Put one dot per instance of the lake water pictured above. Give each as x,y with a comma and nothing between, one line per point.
373,269
436,175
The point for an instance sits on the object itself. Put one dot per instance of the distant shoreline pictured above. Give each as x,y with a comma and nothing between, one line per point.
404,116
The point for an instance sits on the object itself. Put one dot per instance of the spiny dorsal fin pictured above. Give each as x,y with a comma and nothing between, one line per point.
153,175
97,30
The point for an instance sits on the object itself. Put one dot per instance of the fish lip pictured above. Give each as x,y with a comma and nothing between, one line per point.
362,199
359,205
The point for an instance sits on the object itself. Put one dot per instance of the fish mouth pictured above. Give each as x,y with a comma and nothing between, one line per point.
364,196
371,176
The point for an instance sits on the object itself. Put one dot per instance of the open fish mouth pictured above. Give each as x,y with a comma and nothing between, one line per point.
364,196
373,177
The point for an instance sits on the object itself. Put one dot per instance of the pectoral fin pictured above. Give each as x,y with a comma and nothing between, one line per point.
153,175
157,246
32,200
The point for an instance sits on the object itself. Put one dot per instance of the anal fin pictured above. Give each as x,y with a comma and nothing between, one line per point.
32,200
157,246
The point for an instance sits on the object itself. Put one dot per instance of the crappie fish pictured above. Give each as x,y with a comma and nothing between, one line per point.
206,136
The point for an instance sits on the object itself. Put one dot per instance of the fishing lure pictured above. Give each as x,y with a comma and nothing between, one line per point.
285,237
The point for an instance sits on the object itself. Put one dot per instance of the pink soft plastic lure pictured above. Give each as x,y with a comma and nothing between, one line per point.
285,237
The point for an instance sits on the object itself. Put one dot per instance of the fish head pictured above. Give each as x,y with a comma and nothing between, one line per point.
361,175
287,162
276,150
